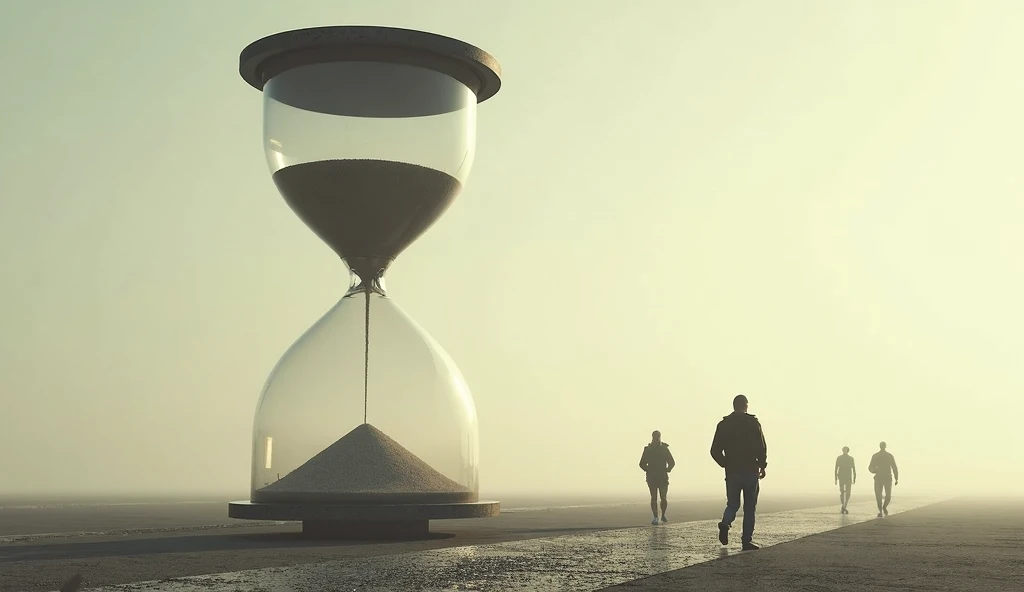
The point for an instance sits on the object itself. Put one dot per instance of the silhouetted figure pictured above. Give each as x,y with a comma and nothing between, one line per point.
657,462
883,465
846,476
740,449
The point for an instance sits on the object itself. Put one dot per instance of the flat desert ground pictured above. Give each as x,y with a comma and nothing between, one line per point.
958,544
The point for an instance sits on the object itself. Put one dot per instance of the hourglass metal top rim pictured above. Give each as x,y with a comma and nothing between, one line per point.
470,65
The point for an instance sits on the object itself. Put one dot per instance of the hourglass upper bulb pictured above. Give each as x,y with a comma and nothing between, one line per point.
369,137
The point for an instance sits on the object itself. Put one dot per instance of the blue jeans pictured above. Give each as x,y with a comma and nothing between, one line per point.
748,483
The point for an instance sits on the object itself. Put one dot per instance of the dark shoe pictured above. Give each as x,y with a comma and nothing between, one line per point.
723,533
879,514
885,511
750,547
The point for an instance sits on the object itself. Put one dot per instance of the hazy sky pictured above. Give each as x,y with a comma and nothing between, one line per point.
816,203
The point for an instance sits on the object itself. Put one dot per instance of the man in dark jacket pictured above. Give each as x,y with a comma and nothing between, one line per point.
657,462
883,465
739,448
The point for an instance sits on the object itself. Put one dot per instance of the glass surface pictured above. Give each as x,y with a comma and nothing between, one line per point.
365,110
368,154
414,394
365,407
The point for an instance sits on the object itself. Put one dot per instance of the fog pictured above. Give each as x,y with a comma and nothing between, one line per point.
816,204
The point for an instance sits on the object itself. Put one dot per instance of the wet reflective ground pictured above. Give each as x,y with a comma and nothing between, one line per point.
587,561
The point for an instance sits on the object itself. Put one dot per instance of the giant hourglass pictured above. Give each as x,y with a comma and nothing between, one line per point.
365,427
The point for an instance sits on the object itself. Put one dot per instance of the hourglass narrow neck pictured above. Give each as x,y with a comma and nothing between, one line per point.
375,285
368,267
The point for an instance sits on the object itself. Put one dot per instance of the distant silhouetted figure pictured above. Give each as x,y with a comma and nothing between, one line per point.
883,465
846,476
740,449
657,462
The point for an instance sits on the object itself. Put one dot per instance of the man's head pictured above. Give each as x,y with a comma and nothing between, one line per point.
881,445
739,403
846,450
656,437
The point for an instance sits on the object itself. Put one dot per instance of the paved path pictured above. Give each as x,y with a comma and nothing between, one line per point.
587,561
960,545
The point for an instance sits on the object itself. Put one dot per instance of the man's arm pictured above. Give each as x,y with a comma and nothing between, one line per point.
853,465
873,465
836,472
895,471
763,452
644,463
671,461
718,447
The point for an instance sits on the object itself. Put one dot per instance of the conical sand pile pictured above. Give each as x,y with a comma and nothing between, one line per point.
365,466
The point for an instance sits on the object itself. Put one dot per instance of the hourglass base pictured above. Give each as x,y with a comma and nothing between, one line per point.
366,530
363,521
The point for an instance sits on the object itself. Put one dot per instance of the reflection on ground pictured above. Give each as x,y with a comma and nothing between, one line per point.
586,561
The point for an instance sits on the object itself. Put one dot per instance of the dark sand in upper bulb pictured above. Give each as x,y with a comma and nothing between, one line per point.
367,208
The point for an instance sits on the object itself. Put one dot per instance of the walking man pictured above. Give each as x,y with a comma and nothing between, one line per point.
657,462
846,476
740,449
883,465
